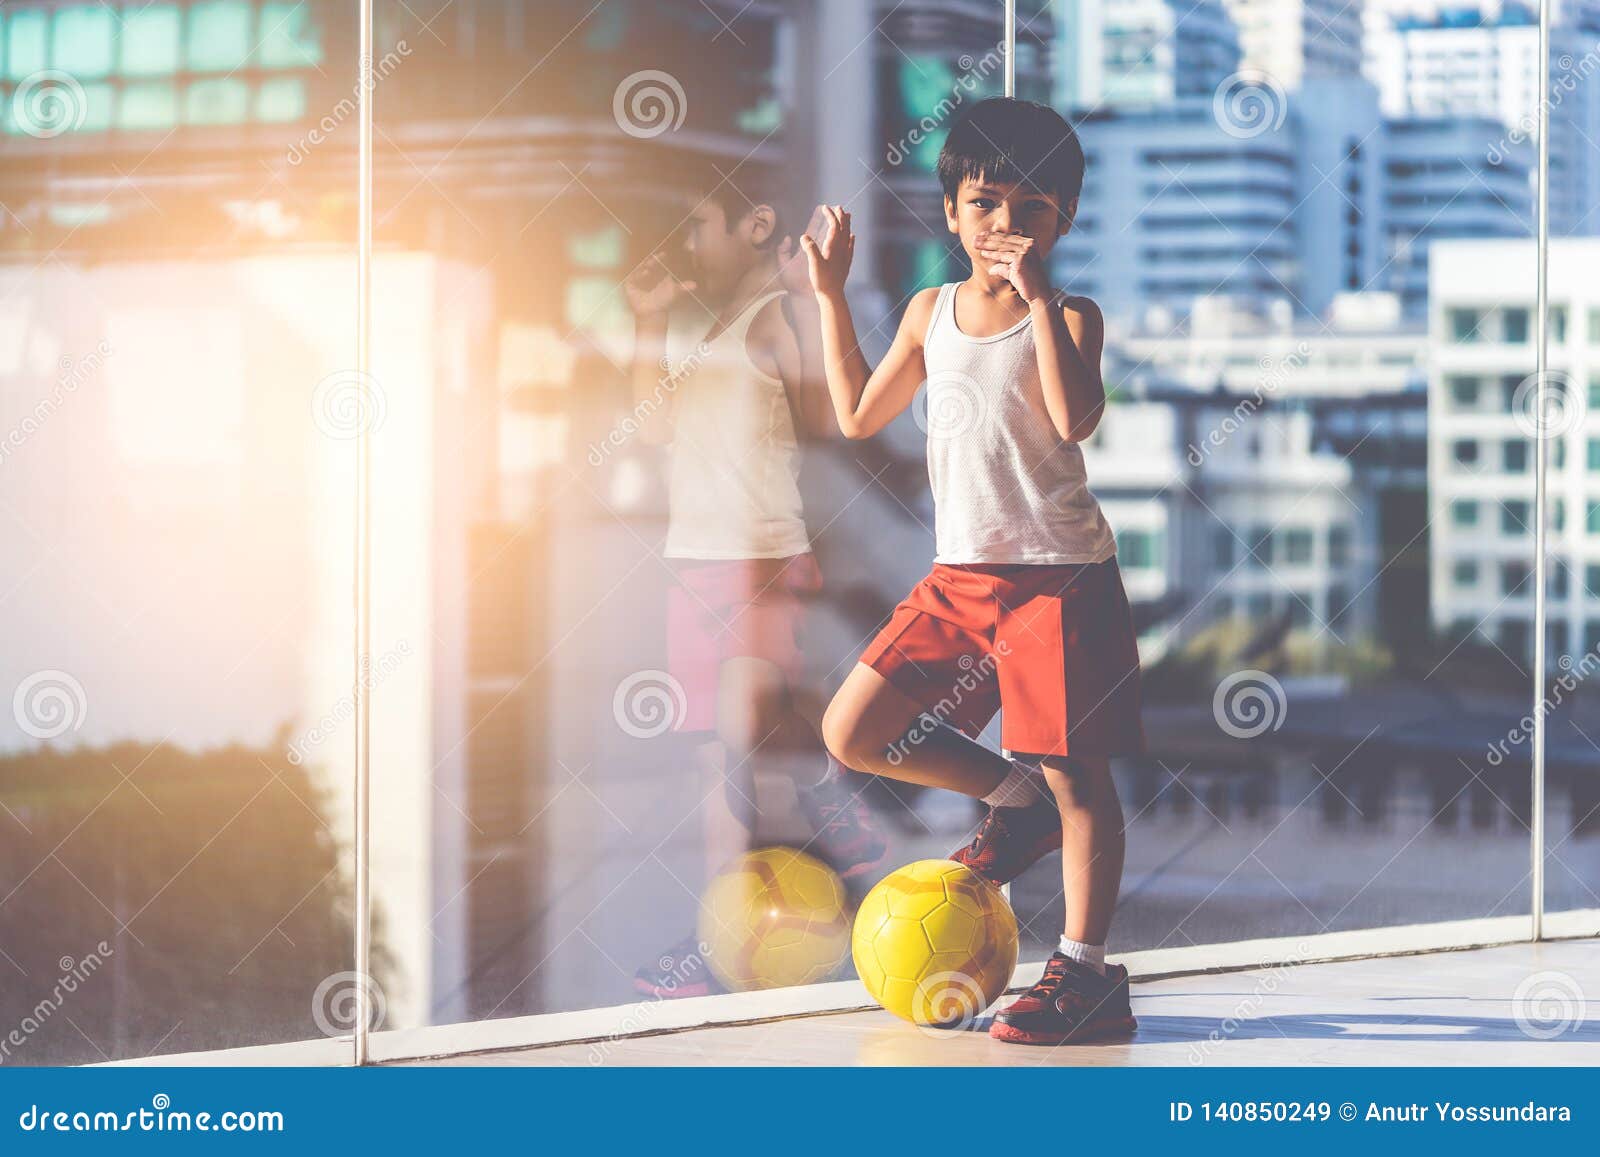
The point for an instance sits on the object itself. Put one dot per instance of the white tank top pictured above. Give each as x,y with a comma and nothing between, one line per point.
733,488
1006,488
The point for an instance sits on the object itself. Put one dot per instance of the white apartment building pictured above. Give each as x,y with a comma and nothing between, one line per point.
1482,445
1481,60
1226,511
1141,52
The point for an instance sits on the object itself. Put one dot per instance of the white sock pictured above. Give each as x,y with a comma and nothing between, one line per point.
1019,788
1094,955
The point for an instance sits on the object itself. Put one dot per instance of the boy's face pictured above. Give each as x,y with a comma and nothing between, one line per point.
720,251
982,205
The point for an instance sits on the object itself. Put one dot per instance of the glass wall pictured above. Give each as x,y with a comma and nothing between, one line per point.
608,613
177,494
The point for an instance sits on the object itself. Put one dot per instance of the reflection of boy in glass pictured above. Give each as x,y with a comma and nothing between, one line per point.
733,408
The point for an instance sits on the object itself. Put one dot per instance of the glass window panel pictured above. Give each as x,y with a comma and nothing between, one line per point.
216,102
218,36
150,40
290,38
281,98
148,105
27,38
81,41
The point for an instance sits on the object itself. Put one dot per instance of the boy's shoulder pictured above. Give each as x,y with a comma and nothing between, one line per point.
919,311
1084,307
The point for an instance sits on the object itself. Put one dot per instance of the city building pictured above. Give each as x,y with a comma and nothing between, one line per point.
1484,436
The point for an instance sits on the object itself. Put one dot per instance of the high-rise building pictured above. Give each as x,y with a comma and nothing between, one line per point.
1293,41
1142,52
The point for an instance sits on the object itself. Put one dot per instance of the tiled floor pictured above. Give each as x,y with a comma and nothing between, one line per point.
1447,1008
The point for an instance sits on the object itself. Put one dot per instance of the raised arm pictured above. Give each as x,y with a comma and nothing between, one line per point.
651,291
865,400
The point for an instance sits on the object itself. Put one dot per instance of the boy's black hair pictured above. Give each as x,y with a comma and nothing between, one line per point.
1013,142
738,188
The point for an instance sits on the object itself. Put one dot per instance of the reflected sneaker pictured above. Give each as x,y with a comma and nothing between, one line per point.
1072,1002
1012,839
680,971
846,838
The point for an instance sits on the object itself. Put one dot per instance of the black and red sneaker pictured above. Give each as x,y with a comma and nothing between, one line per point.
1071,1003
1012,839
845,836
680,971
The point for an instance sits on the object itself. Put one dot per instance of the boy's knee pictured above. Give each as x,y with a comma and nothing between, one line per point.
845,739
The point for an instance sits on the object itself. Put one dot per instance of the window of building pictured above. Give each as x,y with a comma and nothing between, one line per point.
1513,516
1338,545
1514,457
1464,512
1465,573
1297,546
1514,325
1464,392
1464,324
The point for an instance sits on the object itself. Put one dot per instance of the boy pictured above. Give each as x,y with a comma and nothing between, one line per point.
1025,596
736,537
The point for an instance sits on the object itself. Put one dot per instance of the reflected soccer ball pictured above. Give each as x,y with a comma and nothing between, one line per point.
935,943
776,917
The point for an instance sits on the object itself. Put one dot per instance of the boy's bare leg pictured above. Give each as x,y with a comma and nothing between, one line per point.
868,725
1093,842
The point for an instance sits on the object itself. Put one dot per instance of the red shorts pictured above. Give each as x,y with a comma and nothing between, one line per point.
1052,646
734,608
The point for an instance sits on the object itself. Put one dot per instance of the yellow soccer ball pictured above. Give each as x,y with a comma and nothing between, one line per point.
776,917
935,943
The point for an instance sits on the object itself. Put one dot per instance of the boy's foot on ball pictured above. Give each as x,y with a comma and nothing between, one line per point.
1072,1002
680,971
846,839
1012,839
